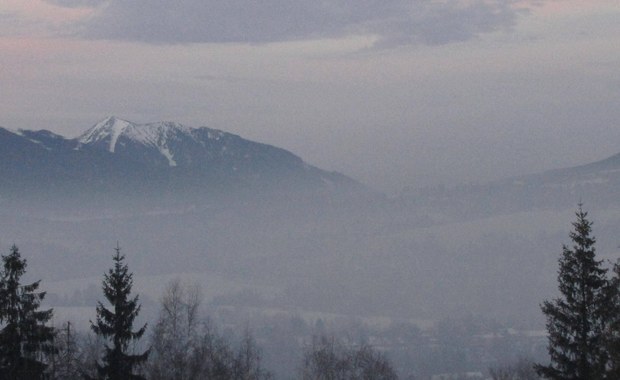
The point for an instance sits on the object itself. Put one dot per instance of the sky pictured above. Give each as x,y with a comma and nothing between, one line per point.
392,93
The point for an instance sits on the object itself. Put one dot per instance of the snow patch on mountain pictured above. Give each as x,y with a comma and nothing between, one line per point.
117,130
214,134
157,135
110,128
18,132
166,153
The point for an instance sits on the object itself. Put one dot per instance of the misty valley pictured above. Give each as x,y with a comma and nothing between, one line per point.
284,262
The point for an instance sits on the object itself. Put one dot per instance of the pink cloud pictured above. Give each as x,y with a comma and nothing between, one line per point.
38,11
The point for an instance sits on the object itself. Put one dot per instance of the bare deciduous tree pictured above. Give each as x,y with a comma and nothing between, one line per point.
247,365
185,346
175,338
328,359
523,369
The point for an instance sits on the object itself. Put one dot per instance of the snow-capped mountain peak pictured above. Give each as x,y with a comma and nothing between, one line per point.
112,132
162,155
202,151
107,130
163,143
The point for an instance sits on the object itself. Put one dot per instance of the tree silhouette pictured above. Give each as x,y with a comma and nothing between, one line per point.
576,320
24,338
115,325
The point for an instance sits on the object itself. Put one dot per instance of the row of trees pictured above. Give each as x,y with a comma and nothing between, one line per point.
329,359
28,344
583,326
183,345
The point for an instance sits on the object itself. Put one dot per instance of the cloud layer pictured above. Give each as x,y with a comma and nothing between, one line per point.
395,22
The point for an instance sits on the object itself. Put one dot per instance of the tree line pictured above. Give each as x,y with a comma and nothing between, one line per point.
583,325
182,345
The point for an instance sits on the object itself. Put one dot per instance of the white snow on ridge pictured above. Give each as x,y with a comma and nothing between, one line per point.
215,134
20,132
155,135
111,127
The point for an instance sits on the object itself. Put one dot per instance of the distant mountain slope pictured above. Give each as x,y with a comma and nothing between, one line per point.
596,184
165,158
175,145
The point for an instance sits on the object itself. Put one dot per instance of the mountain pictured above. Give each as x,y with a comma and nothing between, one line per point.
168,144
596,184
116,157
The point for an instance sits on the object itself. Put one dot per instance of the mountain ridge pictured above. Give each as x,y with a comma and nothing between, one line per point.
597,184
154,158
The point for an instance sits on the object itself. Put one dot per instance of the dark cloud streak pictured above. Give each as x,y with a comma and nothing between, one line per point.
441,23
396,22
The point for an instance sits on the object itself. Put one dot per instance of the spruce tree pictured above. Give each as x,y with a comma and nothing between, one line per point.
576,320
612,332
24,338
116,325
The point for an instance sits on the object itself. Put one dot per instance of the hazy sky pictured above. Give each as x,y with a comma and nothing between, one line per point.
393,93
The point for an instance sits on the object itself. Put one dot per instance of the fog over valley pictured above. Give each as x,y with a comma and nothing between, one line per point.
310,190
267,236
